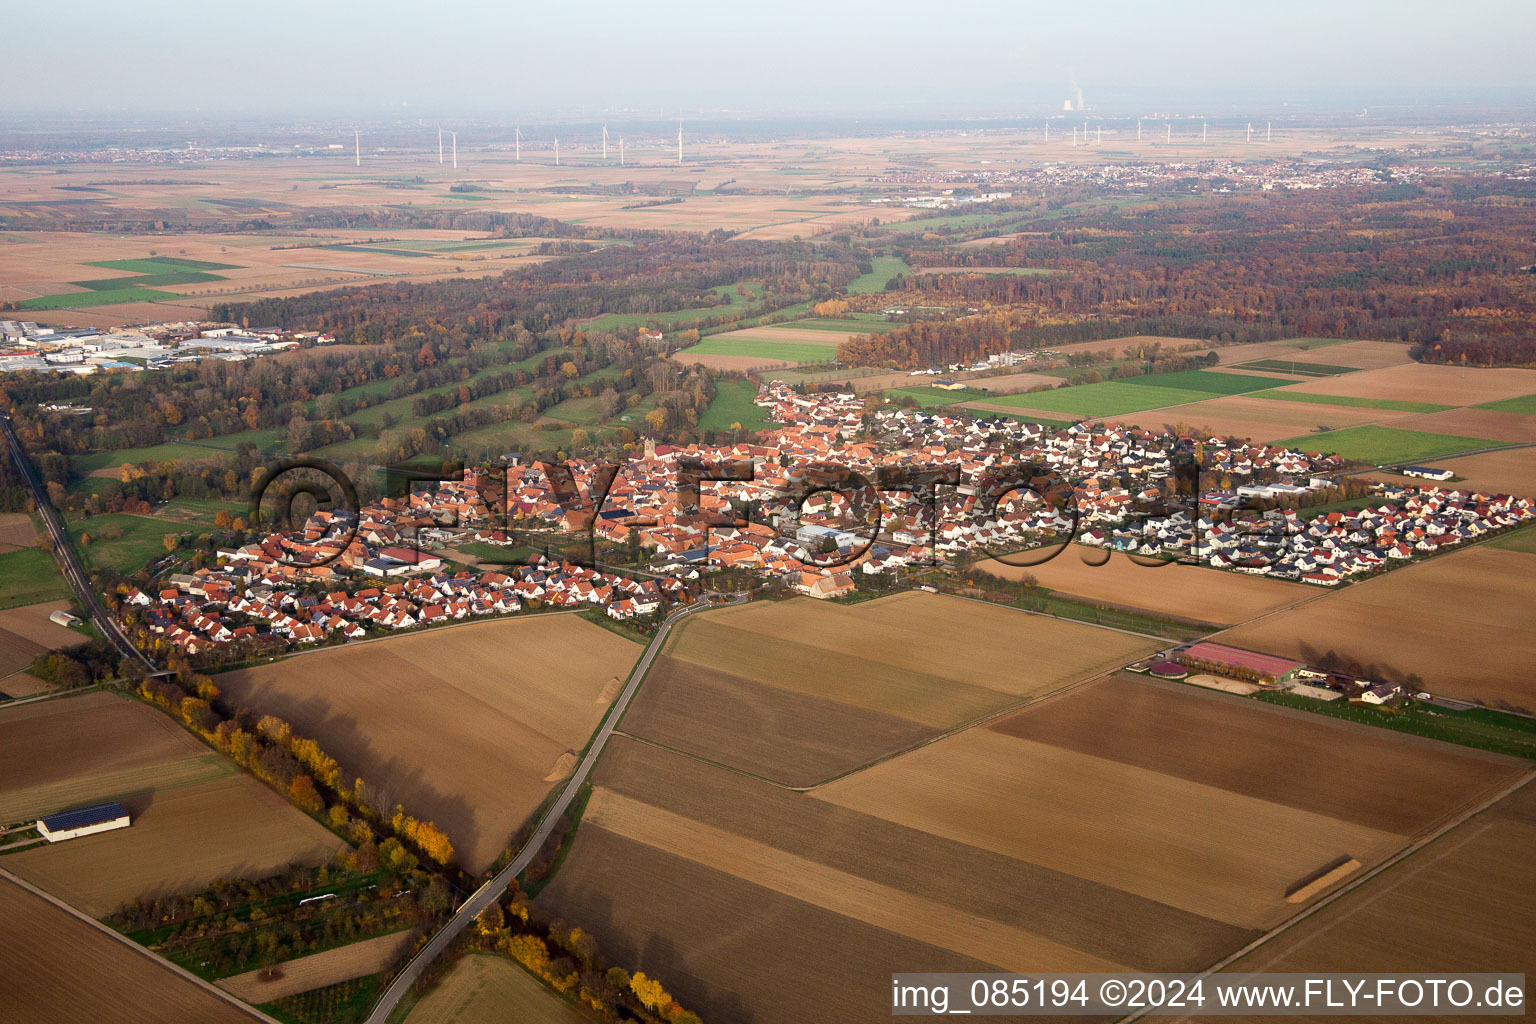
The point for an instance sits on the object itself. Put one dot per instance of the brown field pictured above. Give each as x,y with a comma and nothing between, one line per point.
1122,826
1182,591
26,632
743,363
60,968
1260,419
181,839
1423,382
332,967
1012,383
714,880
484,989
1236,745
1512,471
460,725
1459,622
788,737
1463,903
16,531
934,660
1365,355
1497,426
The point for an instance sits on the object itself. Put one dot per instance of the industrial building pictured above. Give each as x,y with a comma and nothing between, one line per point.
84,822
1241,664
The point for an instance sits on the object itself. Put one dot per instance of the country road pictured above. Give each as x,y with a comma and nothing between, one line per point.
492,890
65,552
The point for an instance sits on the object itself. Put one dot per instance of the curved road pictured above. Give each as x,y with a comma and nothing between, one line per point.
492,890
65,552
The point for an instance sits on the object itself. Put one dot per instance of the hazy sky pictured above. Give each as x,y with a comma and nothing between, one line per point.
784,56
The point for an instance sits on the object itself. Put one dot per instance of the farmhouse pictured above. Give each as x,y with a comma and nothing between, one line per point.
84,822
1241,664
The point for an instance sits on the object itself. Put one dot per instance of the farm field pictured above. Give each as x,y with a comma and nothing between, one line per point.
700,868
16,531
1182,591
461,725
1421,621
59,967
1141,394
484,989
882,269
1462,903
1254,416
26,632
1497,426
761,348
1508,471
1426,382
1386,445
331,967
30,576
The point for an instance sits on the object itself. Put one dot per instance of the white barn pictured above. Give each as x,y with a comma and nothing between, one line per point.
84,822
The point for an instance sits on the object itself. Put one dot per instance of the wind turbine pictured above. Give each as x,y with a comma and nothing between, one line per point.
357,147
679,142
1047,131
455,136
517,142
621,151
1138,129
1074,135
1268,127
605,143
1250,131
557,151
439,143
1202,131
1099,138
1168,138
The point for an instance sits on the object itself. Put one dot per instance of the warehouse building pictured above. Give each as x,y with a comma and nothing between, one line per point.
85,822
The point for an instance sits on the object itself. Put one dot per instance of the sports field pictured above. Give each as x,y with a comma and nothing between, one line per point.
461,725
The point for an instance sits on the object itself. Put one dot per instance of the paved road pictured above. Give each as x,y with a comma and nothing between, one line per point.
493,890
65,552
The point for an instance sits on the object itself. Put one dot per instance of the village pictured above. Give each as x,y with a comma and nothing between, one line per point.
797,515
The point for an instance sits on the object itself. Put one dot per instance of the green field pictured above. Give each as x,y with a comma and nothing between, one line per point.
1298,369
30,576
932,398
680,318
81,299
140,539
134,456
1520,540
1386,445
885,268
159,265
790,351
148,275
733,403
1110,398
1359,403
1211,382
1525,404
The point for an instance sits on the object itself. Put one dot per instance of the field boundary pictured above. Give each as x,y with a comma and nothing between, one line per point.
186,975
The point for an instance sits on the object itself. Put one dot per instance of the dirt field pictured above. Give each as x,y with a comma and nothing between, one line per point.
1460,622
1463,903
1183,591
320,969
802,334
1423,382
16,531
743,363
460,725
26,632
1119,825
484,989
903,655
1237,745
788,737
713,879
181,839
1260,419
1498,426
59,968
1512,471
